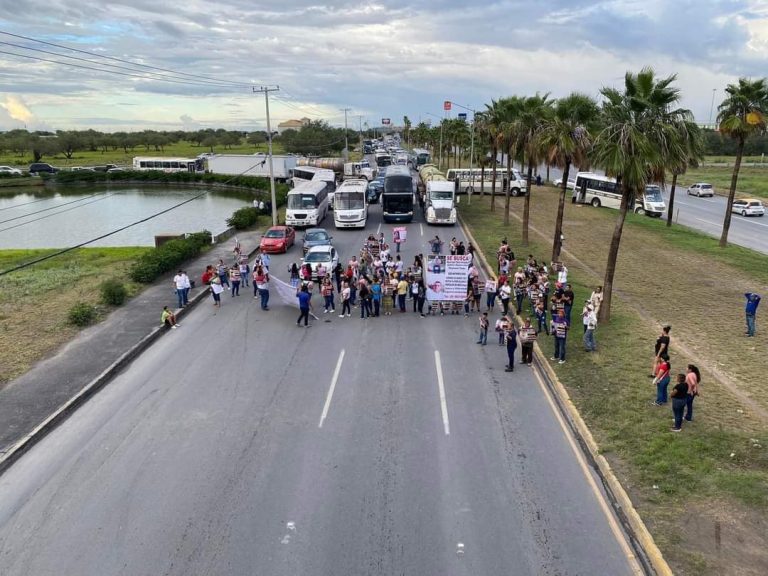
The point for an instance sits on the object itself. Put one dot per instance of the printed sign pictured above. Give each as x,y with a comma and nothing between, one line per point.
399,234
462,116
447,105
385,121
447,278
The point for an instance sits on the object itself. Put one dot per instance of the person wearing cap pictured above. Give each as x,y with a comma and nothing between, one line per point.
590,323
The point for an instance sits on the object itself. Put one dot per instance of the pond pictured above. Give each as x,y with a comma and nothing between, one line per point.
63,217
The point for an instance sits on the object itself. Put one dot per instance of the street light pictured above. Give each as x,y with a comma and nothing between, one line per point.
471,152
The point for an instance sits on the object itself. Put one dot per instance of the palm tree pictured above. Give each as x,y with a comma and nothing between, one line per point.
534,113
741,115
687,152
634,145
567,138
492,121
509,138
407,130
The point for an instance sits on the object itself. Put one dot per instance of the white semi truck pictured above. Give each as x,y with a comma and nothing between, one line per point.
251,165
440,202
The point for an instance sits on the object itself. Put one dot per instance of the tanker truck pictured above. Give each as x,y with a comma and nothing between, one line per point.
439,197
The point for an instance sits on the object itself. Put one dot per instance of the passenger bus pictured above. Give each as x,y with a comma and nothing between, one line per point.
397,198
302,174
307,204
467,179
420,157
165,164
350,209
599,190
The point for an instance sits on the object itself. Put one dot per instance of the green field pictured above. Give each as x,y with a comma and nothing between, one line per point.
753,180
119,157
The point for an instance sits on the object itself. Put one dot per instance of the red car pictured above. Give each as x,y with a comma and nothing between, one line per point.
277,239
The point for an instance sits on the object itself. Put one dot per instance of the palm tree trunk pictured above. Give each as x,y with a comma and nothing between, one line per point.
613,255
557,242
732,194
527,205
493,179
506,197
671,199
482,180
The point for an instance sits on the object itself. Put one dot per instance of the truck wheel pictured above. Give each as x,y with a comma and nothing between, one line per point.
515,192
596,202
640,211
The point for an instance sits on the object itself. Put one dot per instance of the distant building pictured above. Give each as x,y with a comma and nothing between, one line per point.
292,125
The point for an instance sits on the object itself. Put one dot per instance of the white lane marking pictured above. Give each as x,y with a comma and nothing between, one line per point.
717,224
755,223
421,227
329,397
617,532
379,228
441,388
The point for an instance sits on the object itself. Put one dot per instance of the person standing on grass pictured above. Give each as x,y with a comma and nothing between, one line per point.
693,379
527,339
510,339
751,311
679,394
590,324
662,382
661,349
304,306
597,299
541,318
560,332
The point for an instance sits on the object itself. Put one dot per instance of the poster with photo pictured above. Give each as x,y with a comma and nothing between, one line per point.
447,277
399,234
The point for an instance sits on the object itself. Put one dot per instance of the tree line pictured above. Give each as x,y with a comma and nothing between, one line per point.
637,134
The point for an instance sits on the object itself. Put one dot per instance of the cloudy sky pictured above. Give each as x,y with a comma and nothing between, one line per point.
379,59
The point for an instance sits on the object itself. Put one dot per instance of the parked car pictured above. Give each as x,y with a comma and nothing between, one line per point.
115,169
748,207
559,182
10,171
82,169
40,168
701,189
326,255
315,237
277,239
373,192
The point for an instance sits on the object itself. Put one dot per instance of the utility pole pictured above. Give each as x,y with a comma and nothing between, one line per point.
362,147
346,138
471,151
266,90
712,106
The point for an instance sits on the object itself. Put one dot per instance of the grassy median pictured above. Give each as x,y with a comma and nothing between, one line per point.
753,180
704,492
34,302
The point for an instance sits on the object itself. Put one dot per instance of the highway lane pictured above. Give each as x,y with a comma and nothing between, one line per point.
208,456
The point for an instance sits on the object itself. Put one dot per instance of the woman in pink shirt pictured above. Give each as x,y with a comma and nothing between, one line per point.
693,379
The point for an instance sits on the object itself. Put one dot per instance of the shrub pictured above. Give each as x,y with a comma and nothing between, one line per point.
243,218
113,292
82,314
169,256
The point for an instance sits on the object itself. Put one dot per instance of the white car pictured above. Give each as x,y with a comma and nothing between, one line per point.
559,183
327,255
748,207
10,170
701,189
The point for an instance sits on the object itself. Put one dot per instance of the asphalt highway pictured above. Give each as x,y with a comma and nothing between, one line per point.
243,444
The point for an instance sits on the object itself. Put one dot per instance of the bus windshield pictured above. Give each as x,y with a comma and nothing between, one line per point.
349,201
398,185
301,201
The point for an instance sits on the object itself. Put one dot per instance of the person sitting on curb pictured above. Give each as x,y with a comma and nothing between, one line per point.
168,318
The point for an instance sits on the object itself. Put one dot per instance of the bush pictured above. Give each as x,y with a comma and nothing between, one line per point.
170,255
243,218
82,314
113,292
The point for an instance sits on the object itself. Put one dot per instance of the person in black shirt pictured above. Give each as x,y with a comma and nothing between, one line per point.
679,395
661,349
568,296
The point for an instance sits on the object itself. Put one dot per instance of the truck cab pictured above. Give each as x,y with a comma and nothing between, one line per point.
440,202
652,203
358,170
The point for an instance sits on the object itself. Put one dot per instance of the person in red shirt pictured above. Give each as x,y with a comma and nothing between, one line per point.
208,275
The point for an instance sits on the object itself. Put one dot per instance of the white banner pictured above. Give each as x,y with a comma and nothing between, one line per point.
447,278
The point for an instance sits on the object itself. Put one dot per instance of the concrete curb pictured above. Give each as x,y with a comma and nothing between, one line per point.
649,555
18,449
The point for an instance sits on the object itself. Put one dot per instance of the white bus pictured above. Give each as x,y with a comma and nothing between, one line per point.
467,180
307,204
419,158
350,210
301,174
166,164
599,190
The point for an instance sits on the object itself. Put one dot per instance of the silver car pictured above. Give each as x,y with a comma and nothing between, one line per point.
701,189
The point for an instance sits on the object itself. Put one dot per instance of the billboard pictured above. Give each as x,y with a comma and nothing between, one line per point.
385,121
447,105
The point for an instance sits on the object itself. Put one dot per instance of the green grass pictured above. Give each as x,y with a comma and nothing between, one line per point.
613,394
753,180
119,157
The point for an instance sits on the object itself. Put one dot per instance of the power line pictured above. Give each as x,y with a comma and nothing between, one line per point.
54,214
24,204
103,70
63,47
47,209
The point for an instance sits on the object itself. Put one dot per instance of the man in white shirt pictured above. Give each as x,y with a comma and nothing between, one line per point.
179,286
562,275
